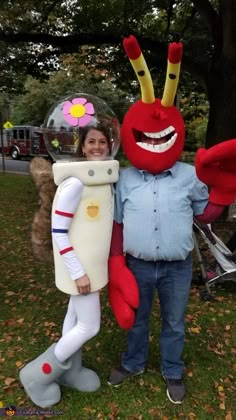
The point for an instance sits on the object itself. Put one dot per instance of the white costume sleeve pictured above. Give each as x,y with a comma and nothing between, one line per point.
66,205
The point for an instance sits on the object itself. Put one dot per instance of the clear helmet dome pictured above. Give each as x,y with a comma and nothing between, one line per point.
68,121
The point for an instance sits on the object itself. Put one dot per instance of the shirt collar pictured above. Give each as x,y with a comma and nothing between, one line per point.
172,171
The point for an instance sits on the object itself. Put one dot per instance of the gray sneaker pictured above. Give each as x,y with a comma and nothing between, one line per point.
175,390
118,375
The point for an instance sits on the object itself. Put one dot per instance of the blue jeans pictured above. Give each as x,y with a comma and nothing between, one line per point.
172,279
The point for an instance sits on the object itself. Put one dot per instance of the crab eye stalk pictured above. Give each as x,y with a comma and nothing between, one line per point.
140,67
172,74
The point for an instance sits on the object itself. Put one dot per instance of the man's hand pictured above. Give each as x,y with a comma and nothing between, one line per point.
83,285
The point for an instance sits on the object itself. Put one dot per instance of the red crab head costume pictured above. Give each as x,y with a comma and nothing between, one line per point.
153,129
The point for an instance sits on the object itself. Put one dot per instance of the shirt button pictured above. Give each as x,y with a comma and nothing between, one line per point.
154,192
155,228
154,210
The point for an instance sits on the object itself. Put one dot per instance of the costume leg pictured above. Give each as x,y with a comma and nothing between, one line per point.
70,318
81,323
144,271
39,378
174,282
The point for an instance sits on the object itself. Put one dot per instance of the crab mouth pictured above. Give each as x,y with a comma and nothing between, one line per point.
157,142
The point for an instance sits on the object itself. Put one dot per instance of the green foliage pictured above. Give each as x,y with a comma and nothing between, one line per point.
32,106
194,109
195,134
53,28
35,35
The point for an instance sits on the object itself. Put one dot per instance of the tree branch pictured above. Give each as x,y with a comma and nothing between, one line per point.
65,43
69,42
169,16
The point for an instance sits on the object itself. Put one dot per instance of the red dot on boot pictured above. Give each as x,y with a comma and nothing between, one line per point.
46,368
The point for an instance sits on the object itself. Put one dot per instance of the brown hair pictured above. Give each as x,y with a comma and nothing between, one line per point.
83,131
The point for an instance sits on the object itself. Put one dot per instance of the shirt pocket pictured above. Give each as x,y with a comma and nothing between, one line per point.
179,200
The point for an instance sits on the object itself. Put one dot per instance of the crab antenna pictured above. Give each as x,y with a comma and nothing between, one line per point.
172,74
140,67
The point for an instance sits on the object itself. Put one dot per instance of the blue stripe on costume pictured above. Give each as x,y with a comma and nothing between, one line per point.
59,230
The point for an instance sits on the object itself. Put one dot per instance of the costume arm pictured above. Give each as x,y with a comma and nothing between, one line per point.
211,213
117,239
122,287
67,202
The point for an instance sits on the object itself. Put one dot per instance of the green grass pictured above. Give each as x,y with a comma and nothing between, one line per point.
31,316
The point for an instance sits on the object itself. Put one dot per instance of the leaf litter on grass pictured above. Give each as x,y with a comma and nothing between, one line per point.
32,312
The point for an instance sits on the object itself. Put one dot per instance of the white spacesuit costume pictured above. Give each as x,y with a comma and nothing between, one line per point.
82,217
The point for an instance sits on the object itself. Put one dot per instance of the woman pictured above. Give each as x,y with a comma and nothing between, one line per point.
77,214
85,307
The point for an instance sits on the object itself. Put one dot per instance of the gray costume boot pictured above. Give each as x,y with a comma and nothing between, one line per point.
79,377
39,378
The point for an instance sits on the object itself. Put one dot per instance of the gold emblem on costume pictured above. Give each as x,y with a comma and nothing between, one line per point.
92,209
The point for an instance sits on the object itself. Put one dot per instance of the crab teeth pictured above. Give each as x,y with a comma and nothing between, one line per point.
160,134
158,148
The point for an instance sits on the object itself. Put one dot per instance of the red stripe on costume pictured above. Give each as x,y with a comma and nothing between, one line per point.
63,213
64,251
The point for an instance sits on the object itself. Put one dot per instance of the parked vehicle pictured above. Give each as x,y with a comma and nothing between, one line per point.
23,140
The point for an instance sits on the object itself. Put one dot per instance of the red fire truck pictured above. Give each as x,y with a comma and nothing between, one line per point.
23,140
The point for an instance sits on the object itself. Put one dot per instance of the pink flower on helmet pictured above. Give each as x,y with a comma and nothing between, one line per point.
78,111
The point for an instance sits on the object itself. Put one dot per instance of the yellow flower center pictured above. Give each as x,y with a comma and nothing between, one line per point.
77,110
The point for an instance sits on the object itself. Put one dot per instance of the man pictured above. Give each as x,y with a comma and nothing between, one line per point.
156,200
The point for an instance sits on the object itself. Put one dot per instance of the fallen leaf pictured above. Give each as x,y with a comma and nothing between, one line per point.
222,405
9,381
209,409
155,412
155,388
88,410
10,322
195,330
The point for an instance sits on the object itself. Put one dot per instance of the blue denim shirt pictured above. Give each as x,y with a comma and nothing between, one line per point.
157,211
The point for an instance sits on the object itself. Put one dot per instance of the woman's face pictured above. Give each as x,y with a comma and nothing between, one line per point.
95,145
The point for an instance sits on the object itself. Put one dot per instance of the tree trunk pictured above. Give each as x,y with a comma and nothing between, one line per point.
221,81
222,100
